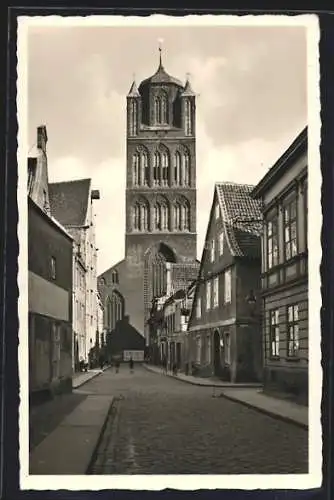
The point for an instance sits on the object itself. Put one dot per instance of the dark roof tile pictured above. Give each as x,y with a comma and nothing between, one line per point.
242,217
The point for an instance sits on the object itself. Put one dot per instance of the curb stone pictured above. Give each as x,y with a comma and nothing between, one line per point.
89,379
270,413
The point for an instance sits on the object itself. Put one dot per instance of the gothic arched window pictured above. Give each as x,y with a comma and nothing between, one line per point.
165,168
177,168
161,109
186,168
140,216
161,215
156,168
133,117
115,309
188,117
136,217
144,168
182,215
135,170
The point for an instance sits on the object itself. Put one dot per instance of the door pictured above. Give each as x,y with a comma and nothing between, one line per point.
216,353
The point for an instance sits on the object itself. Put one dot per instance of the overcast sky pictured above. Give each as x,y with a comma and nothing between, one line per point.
252,103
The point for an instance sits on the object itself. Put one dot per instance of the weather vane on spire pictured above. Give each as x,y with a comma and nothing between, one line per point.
161,41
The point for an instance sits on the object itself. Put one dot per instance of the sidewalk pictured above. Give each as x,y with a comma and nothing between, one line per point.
207,382
250,395
70,447
81,378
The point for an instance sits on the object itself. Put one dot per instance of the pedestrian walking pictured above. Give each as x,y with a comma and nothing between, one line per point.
117,363
131,365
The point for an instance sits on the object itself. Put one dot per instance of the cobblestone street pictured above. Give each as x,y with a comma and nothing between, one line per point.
160,425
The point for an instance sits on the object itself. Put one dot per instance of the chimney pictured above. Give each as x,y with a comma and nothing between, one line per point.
42,138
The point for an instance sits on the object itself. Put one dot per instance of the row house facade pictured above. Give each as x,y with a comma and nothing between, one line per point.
224,325
284,280
50,254
72,204
173,337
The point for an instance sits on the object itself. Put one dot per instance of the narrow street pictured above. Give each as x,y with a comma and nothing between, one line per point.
160,425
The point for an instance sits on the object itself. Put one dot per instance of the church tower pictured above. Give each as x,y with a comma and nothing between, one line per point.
161,175
160,232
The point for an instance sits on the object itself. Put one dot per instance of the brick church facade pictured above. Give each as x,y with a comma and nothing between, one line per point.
160,199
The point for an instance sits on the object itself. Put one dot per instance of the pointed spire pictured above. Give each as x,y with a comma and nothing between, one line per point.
160,40
188,91
133,92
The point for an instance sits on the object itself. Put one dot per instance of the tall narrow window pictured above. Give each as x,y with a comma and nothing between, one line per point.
198,308
290,229
164,217
182,215
156,168
216,291
272,242
213,250
274,332
164,109
227,286
136,217
177,217
157,109
165,169
144,217
135,169
293,331
208,295
140,216
221,243
177,168
157,217
186,169
188,117
53,268
144,168
133,117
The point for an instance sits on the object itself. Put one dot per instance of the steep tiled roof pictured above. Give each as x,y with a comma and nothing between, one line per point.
160,76
69,201
188,91
242,218
133,92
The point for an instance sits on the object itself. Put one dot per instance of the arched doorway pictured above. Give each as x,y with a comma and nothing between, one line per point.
216,353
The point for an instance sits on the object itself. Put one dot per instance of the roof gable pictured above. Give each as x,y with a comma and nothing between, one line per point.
69,201
242,218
